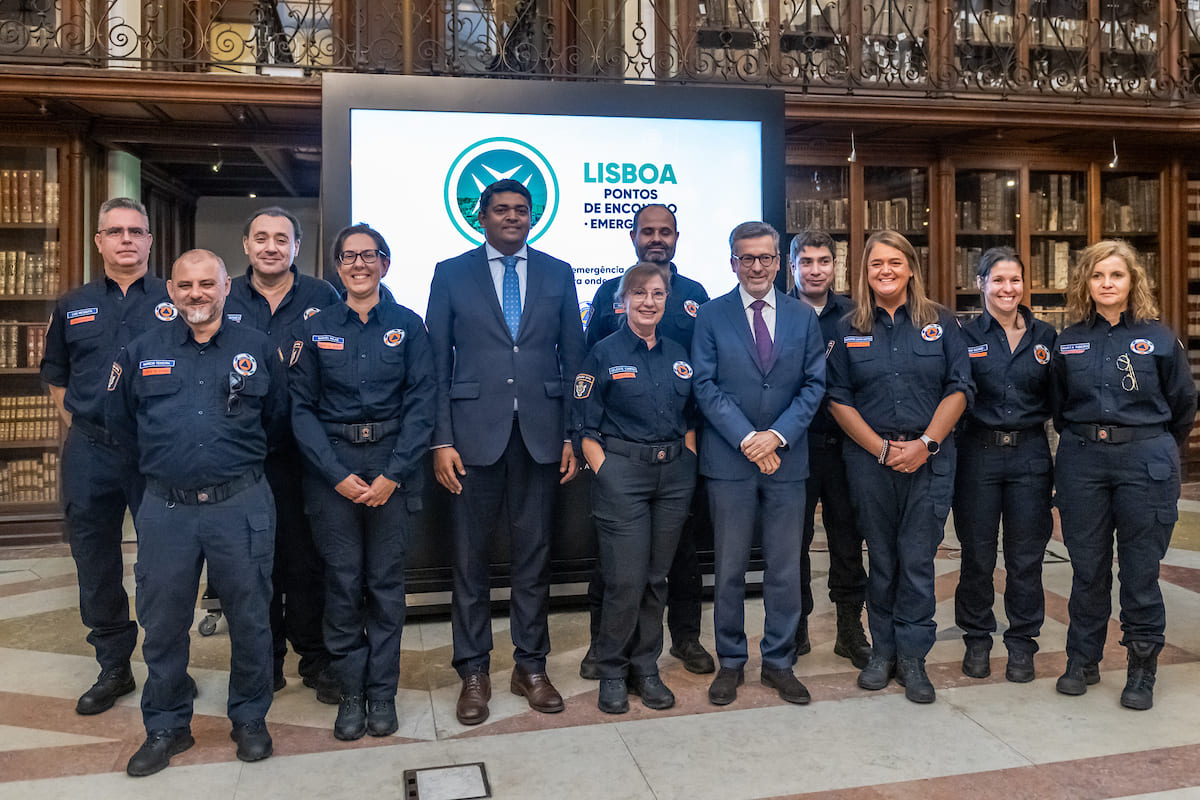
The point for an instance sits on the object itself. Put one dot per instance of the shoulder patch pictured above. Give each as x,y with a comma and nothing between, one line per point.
829,347
1142,346
394,337
297,346
244,364
583,385
1041,353
682,369
691,307
166,311
931,332
114,377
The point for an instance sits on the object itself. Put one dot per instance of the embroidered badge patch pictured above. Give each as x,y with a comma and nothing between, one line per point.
165,312
326,342
857,341
978,351
1142,346
297,347
583,385
81,315
1075,348
244,364
114,377
234,317
157,366
682,369
1041,353
691,307
931,332
394,337
308,312
624,371
618,307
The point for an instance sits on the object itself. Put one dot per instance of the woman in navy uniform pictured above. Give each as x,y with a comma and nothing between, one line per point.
362,392
898,380
1124,402
1004,470
636,424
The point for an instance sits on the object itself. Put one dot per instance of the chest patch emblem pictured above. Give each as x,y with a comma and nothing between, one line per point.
394,337
583,385
81,315
157,366
308,312
691,307
326,342
1142,347
234,317
682,369
244,364
931,332
978,351
1041,353
165,312
624,371
858,341
1075,348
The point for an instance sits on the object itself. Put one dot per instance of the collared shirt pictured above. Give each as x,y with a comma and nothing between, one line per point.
91,325
307,296
170,397
896,374
679,316
768,310
635,393
496,265
345,370
1131,373
835,308
1012,387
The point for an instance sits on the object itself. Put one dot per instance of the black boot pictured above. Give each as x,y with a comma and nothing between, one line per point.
803,645
1139,685
851,641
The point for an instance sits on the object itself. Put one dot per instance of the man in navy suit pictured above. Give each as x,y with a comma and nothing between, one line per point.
507,338
759,379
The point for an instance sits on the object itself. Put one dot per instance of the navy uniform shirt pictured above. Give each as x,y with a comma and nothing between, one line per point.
89,328
635,393
837,306
895,374
1131,373
170,396
348,371
307,296
1012,389
679,318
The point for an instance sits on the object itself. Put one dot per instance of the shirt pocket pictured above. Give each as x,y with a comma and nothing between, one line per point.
157,386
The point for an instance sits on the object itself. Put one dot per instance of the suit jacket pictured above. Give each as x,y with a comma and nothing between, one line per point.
738,395
480,370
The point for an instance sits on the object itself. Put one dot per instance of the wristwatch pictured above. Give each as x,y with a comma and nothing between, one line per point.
930,445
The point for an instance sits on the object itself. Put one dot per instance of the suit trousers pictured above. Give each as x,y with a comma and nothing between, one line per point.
518,489
363,549
827,484
1012,485
99,480
1132,488
738,507
237,539
903,520
639,510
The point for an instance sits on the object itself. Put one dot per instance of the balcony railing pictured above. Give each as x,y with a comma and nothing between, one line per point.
1134,49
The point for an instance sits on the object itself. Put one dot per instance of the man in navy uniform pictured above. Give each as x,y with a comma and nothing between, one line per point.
507,341
655,234
90,326
274,297
199,399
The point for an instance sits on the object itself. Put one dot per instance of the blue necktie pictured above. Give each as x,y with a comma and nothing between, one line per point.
512,295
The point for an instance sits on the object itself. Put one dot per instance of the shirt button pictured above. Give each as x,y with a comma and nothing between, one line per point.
509,381
766,386
201,413
201,383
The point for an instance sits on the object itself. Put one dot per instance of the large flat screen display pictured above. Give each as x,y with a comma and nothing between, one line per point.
410,157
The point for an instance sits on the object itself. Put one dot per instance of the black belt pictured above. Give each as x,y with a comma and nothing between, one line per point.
362,432
822,441
900,436
205,494
654,453
93,431
1116,434
998,438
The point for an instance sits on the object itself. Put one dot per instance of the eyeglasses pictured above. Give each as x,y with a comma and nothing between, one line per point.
121,233
766,260
1129,381
347,257
658,295
233,405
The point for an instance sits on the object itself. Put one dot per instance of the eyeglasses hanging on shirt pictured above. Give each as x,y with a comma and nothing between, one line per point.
233,406
1129,381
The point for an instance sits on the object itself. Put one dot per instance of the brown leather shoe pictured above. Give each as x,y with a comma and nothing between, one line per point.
537,689
472,707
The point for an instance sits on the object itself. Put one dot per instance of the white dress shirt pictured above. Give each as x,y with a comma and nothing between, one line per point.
497,268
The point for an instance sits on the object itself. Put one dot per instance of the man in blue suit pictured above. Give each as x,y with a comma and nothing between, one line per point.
507,339
759,379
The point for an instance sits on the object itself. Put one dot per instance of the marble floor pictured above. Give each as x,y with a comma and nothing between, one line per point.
981,739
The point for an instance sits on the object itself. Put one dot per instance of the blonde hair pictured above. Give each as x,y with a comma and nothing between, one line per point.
922,309
1080,303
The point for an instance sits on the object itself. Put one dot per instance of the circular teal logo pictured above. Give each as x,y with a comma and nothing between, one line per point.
491,160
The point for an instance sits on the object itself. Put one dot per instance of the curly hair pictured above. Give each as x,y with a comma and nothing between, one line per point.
1080,304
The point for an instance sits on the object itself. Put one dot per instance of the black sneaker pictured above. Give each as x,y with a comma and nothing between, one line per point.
614,697
155,753
253,741
910,673
327,687
787,684
351,720
694,657
877,674
723,690
111,684
1020,666
1077,677
653,691
381,717
977,661
588,669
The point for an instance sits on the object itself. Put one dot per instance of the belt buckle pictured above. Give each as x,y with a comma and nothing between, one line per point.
660,455
365,433
201,496
1102,434
1006,439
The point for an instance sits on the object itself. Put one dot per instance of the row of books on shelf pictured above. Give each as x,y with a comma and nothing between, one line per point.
30,480
1130,205
830,214
26,418
1193,258
1055,204
1128,37
1055,316
1193,201
1050,262
23,272
898,214
1193,315
21,345
989,203
27,197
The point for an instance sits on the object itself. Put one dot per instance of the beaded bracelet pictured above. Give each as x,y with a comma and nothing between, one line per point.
883,451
